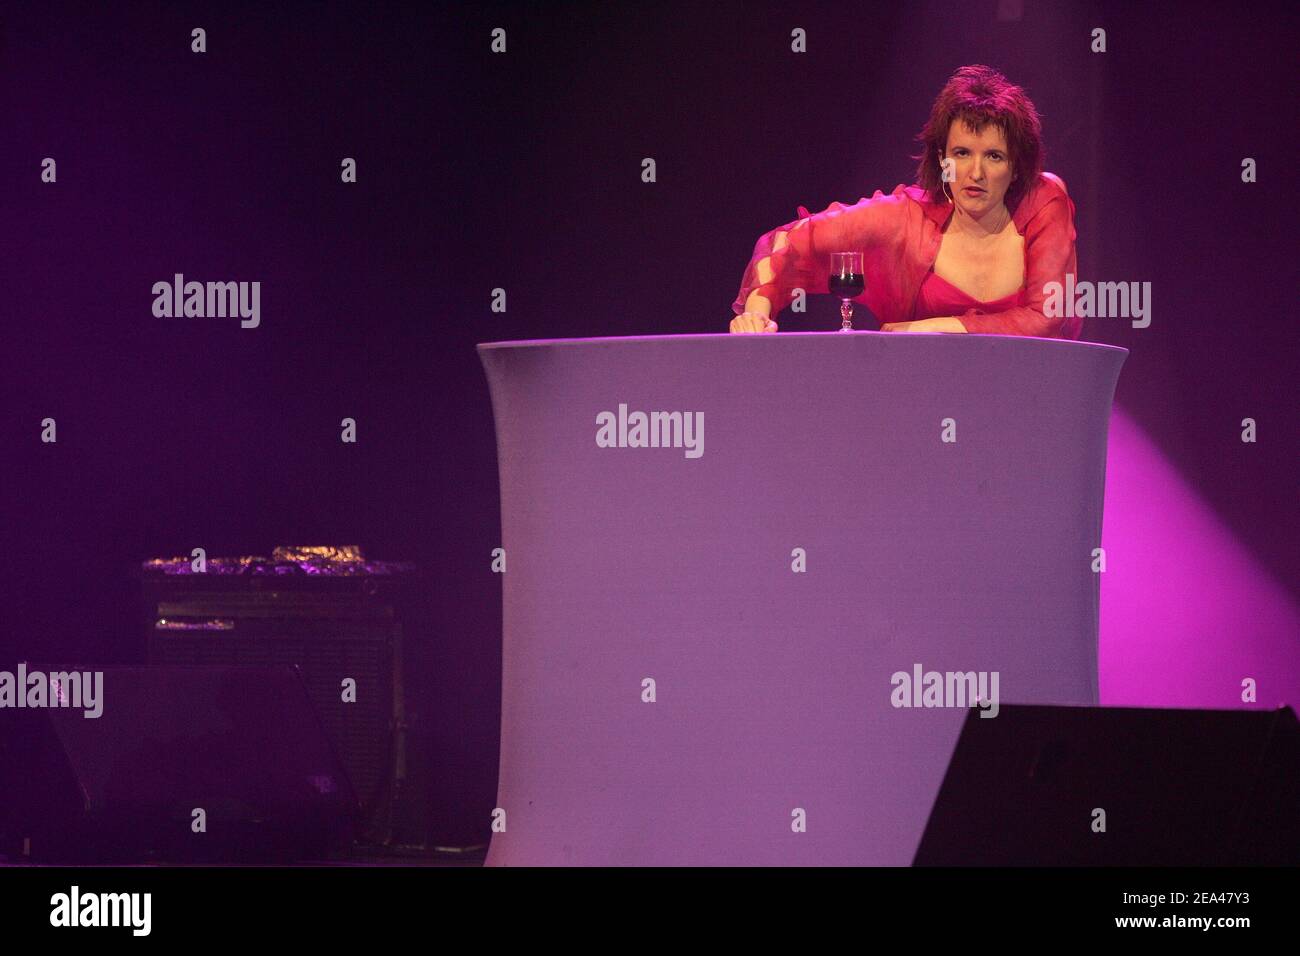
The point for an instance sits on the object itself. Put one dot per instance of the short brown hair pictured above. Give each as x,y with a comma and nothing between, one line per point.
980,95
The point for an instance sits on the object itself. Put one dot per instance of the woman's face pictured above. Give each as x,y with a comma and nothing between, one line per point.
982,167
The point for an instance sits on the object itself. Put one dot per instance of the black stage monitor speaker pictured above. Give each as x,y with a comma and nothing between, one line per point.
184,764
1094,786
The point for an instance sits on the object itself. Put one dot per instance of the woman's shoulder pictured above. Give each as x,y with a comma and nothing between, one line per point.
1049,188
1047,191
1053,183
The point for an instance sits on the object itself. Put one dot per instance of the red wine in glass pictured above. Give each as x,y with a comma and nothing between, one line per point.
846,281
847,285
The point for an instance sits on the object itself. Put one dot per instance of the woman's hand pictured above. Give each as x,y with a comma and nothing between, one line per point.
752,322
943,323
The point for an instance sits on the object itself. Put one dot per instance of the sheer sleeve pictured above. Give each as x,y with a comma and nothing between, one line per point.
797,255
1049,255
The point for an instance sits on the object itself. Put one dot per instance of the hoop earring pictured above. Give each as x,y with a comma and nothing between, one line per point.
948,193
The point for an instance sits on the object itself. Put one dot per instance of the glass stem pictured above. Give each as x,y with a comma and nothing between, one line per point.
846,315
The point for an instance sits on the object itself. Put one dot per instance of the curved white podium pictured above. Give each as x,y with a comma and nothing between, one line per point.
773,577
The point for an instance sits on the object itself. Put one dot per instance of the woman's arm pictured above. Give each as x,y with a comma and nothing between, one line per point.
944,323
1049,254
797,255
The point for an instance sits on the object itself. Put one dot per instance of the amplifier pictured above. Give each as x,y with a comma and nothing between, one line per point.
333,618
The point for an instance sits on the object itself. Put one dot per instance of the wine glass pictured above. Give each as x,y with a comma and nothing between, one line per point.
846,282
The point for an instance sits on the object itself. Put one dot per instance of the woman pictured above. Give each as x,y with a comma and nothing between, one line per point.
969,251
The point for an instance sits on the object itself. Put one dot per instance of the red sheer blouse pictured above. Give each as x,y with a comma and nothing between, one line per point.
899,236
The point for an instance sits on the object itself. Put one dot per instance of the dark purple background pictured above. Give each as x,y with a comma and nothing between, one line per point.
523,171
